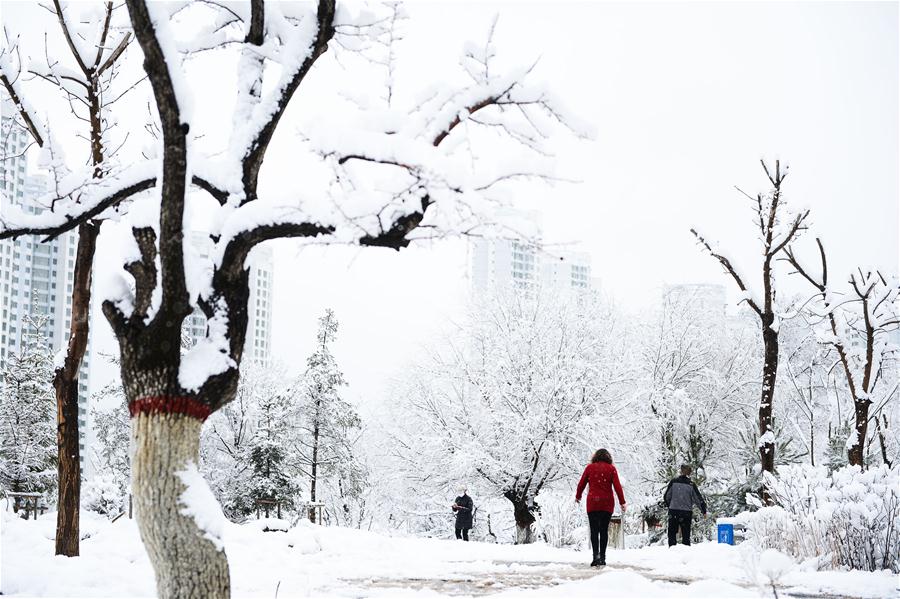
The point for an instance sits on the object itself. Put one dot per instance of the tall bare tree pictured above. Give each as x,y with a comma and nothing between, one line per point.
395,175
776,228
88,89
858,326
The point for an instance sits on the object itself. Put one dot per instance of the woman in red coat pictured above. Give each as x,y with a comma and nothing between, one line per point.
602,477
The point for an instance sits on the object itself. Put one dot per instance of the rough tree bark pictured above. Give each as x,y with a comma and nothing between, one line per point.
187,564
66,384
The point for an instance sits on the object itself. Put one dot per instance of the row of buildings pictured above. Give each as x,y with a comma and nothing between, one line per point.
36,279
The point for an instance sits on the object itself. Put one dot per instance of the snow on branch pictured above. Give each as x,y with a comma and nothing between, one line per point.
78,198
9,76
746,294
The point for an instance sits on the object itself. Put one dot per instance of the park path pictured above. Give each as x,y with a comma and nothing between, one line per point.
487,578
496,576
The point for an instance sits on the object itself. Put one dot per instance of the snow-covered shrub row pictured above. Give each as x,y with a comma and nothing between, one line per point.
850,518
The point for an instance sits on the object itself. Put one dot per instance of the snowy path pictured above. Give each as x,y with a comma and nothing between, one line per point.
552,578
311,561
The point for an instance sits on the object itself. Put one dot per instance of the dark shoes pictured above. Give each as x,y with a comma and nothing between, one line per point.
598,561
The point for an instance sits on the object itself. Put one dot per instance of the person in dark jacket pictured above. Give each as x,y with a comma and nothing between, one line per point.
603,478
463,507
680,497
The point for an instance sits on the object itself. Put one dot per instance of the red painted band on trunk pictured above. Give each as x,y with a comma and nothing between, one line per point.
165,404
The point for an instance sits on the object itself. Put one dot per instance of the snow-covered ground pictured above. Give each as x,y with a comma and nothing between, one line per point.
334,562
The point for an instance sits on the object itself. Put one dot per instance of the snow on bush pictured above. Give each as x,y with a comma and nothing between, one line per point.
101,494
850,518
562,522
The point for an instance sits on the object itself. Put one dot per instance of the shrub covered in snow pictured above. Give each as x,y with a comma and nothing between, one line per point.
562,522
103,495
849,518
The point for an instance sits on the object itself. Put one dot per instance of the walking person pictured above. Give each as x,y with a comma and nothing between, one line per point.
463,506
680,497
603,478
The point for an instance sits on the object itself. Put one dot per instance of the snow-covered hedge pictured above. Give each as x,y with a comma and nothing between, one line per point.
850,518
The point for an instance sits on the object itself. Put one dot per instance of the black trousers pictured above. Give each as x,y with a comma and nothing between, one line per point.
599,524
462,533
680,520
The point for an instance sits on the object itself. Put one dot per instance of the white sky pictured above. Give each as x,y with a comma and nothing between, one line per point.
685,99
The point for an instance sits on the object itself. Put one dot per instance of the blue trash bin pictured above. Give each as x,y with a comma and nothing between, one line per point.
726,533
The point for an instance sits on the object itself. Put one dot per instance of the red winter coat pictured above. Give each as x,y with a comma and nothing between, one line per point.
602,477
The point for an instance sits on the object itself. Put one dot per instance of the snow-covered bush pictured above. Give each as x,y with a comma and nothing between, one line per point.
562,522
103,494
850,518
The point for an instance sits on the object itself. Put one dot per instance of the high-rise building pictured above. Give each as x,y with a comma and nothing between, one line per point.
258,343
507,264
35,276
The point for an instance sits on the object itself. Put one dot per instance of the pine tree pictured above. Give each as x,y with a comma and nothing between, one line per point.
327,423
270,478
27,419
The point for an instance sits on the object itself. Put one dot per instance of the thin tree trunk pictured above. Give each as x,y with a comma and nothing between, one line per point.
66,384
884,455
66,380
770,371
315,468
186,562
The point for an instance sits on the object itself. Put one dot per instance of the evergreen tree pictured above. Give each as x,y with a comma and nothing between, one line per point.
270,478
28,441
327,424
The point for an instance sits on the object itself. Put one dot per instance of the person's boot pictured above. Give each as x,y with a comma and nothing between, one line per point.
595,561
601,561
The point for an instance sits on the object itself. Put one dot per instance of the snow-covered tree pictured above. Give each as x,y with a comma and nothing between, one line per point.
395,174
86,79
857,325
805,382
28,439
502,405
112,453
326,424
776,227
232,434
694,380
270,478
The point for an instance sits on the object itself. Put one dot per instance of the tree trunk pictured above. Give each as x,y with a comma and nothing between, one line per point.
770,371
884,455
66,384
855,454
524,520
767,396
187,563
315,466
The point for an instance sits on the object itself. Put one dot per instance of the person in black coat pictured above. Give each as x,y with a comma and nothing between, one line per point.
463,507
680,497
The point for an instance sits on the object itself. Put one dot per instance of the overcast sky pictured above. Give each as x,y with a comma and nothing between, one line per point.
685,98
